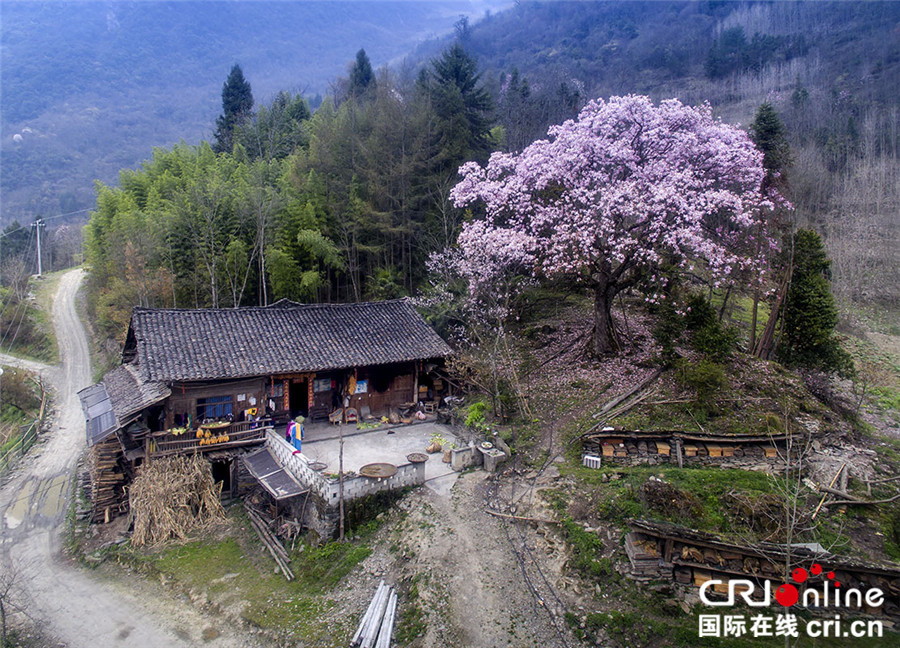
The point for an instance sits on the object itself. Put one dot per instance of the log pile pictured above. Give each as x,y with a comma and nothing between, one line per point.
108,495
377,624
690,558
172,497
270,541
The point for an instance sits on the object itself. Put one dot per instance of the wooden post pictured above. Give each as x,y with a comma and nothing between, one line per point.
341,481
415,397
678,454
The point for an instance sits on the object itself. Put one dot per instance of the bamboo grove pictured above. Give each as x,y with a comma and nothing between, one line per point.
343,204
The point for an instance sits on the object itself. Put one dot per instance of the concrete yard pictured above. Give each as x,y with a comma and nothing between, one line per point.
387,444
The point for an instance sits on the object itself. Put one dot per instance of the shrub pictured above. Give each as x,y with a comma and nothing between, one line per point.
475,413
709,336
705,378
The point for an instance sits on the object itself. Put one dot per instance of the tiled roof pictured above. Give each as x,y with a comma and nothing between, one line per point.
129,394
204,344
110,404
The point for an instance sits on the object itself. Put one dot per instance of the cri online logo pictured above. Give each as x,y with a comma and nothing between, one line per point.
787,595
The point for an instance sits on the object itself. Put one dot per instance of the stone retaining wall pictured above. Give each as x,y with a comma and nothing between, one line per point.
328,488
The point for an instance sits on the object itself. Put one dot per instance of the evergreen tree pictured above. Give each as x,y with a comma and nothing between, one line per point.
768,133
362,78
237,104
462,106
810,314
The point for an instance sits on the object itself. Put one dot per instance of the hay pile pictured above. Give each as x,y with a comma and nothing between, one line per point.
172,497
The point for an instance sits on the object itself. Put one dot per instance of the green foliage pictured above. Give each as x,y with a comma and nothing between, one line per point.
24,329
237,102
705,378
810,313
362,78
668,330
475,413
21,396
462,106
708,334
586,551
770,136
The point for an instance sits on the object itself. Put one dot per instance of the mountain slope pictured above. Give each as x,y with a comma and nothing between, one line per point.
91,87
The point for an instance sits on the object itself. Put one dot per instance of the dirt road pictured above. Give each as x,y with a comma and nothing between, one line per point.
67,602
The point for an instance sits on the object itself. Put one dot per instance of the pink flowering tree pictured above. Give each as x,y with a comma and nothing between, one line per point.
611,197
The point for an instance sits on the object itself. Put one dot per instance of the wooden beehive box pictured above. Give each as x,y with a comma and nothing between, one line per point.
714,450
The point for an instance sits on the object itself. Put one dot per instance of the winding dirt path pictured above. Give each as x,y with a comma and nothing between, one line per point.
64,601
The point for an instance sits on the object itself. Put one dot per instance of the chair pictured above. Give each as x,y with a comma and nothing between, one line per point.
336,417
318,413
351,415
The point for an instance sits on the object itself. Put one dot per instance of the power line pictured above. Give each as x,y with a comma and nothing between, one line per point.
46,218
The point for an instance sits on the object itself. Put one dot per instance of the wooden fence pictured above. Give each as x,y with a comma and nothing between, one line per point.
23,441
28,434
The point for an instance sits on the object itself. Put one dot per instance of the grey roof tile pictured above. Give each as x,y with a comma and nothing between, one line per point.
204,344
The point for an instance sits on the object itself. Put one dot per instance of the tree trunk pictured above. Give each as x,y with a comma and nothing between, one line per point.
603,339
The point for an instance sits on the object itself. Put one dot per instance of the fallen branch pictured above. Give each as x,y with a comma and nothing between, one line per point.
858,502
619,399
519,517
882,481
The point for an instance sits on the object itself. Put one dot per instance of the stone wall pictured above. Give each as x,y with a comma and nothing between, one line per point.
328,489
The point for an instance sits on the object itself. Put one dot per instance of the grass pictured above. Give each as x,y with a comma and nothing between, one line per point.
586,551
412,621
616,492
43,347
750,401
236,570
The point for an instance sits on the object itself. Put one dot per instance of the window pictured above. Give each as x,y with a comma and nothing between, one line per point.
214,407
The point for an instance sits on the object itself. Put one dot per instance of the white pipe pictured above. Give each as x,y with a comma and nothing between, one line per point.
366,616
374,618
387,625
372,632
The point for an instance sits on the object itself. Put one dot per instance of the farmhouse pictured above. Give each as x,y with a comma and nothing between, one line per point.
218,381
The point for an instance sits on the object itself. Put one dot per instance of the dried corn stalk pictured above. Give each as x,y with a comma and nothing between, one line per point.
173,496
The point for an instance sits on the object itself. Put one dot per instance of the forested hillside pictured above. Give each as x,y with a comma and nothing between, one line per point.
90,87
341,205
349,201
830,70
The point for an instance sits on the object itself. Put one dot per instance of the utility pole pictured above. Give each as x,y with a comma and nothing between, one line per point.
38,225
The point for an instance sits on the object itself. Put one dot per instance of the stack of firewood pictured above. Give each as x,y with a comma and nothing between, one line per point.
108,496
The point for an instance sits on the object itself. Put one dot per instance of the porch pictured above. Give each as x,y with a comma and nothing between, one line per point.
218,436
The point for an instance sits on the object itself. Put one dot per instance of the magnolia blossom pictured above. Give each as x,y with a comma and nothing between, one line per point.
615,192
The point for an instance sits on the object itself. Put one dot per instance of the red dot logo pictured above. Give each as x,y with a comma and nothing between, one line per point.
799,575
787,595
816,569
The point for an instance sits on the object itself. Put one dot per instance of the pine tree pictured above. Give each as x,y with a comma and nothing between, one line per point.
810,314
768,133
463,107
237,104
362,78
